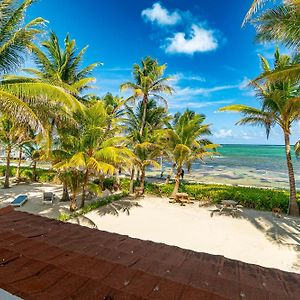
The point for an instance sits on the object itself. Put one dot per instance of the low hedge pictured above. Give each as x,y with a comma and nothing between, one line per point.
42,175
251,197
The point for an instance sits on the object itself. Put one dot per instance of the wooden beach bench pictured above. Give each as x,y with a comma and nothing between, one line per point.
182,198
48,197
19,201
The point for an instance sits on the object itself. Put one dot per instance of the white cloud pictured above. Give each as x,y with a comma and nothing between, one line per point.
224,133
199,40
160,15
187,77
188,91
198,104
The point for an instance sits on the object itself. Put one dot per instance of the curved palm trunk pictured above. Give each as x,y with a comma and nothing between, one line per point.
131,187
85,182
7,168
65,196
145,102
19,163
177,182
143,177
293,206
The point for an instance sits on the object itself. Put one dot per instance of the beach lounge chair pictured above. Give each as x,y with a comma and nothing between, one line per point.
48,198
19,201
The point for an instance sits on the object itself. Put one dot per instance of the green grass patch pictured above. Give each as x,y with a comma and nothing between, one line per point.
250,197
92,206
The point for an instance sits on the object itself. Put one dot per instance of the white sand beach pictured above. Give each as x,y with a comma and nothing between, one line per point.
253,237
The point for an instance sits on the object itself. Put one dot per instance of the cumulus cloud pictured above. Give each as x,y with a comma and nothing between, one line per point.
160,15
224,133
198,40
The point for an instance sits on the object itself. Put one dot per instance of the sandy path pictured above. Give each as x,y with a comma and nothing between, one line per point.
35,198
256,237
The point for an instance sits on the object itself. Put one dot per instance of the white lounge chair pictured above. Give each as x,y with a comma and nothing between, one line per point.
48,198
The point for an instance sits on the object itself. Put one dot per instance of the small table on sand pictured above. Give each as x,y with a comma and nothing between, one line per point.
182,198
229,206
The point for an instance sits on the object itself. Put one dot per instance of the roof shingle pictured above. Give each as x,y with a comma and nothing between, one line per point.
42,258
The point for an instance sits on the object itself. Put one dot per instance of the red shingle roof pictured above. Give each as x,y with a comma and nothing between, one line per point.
42,258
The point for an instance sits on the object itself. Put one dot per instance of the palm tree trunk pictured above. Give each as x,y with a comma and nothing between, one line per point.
7,168
293,206
65,196
118,182
73,203
19,163
131,187
138,177
177,182
169,176
145,102
34,172
143,176
85,182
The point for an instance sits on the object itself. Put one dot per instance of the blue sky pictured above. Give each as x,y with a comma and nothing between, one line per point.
210,56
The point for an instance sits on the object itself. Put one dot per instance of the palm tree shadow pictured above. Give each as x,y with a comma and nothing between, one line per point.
83,221
116,207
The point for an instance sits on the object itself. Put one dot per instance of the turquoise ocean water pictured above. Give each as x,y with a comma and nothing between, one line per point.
260,165
250,165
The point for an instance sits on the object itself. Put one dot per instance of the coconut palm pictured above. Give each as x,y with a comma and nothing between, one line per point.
280,105
146,147
148,83
185,142
280,24
12,136
15,36
93,150
255,6
16,95
62,66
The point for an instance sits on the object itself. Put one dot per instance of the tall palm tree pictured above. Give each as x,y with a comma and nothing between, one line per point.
146,147
93,149
148,83
280,105
12,136
62,66
185,142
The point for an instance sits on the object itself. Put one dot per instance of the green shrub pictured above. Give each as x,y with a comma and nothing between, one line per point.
261,199
92,206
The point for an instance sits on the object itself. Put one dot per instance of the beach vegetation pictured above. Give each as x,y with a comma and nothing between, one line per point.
279,105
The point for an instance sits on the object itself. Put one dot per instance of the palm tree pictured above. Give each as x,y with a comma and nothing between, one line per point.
148,83
185,142
280,105
146,147
93,149
257,4
279,24
12,136
16,37
61,66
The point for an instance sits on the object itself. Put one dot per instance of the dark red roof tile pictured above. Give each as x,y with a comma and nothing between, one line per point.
42,258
